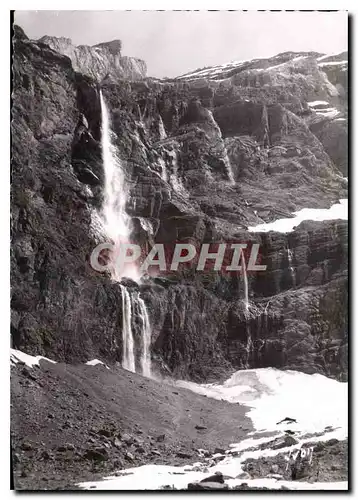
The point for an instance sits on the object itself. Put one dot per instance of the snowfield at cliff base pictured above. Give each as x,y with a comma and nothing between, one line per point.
270,395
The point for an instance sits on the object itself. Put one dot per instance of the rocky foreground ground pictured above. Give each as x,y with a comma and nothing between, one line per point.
76,423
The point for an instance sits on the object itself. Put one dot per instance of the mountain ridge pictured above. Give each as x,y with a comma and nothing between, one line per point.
99,60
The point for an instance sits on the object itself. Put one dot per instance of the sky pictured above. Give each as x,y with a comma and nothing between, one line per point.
175,42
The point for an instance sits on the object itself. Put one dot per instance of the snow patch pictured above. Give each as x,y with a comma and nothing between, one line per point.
328,112
317,103
95,362
212,70
332,63
30,361
274,394
337,211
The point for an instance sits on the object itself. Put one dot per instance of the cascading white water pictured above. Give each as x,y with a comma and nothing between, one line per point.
146,338
229,169
225,155
246,300
128,359
117,226
174,178
114,217
246,284
290,265
266,316
147,225
249,346
163,166
162,132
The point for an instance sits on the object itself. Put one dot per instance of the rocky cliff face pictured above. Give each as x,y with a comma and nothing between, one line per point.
103,60
206,157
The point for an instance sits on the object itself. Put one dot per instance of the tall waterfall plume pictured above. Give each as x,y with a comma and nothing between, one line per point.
117,226
114,217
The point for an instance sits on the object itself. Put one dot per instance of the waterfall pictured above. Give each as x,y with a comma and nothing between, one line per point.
229,168
292,271
246,284
162,132
174,179
163,167
225,155
114,218
147,225
146,338
128,359
249,346
266,317
246,300
117,227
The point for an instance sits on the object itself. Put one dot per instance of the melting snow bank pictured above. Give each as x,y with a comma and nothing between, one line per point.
95,362
274,394
312,407
156,477
337,211
230,464
30,361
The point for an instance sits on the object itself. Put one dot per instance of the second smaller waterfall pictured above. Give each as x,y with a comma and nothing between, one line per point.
145,359
290,265
133,304
128,359
246,284
249,346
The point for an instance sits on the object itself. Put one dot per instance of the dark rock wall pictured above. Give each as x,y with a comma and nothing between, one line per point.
182,146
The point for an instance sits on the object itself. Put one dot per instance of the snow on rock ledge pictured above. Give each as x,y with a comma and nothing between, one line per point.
30,361
95,362
336,211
